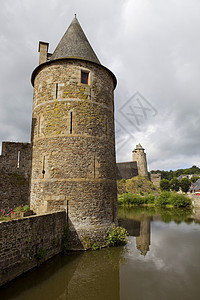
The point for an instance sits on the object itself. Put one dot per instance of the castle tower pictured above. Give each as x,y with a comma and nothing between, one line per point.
73,160
140,157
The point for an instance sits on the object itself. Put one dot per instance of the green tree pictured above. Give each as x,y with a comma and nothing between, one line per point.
164,185
174,184
194,179
185,184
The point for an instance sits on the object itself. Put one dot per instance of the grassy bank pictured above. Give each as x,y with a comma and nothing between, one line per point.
167,199
136,185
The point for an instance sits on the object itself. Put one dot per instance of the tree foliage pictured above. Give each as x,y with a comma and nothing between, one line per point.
185,184
165,185
170,174
174,184
194,179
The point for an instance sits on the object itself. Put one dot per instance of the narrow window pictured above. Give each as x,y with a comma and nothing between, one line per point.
90,95
71,122
56,90
67,211
94,167
43,166
106,125
38,126
18,159
84,77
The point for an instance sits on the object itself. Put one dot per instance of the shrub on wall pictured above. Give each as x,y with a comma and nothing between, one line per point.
116,236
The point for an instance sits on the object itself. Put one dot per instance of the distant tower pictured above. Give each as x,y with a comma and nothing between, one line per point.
73,159
140,157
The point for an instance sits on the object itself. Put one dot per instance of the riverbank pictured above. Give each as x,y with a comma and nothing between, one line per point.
167,199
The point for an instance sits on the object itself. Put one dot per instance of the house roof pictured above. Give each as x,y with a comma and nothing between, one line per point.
74,44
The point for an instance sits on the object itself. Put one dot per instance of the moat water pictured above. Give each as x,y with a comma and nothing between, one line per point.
161,261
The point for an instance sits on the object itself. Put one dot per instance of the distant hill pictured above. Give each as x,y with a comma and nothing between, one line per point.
136,185
170,174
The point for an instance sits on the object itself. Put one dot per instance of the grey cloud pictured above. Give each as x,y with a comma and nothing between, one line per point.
152,47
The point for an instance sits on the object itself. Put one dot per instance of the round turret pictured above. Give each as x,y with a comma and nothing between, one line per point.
140,157
73,159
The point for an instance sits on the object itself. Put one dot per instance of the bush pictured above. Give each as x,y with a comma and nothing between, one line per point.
172,198
178,200
19,209
163,199
149,199
130,199
116,236
95,246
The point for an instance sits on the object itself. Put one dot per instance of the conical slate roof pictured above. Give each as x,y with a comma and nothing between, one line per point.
75,44
139,147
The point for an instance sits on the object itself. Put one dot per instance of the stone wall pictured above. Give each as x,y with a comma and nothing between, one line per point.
25,243
195,200
156,178
15,169
127,170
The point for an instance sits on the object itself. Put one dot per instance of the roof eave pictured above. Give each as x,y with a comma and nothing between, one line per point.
49,62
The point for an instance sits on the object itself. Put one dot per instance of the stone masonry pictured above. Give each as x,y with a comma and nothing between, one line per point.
73,154
25,243
15,169
156,178
140,157
138,166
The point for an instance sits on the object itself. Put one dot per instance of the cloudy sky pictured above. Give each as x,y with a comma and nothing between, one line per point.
153,48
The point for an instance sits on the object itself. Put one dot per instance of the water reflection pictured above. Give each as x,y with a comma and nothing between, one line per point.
139,226
161,261
138,220
88,275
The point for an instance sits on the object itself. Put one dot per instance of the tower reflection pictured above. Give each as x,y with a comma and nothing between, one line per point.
139,226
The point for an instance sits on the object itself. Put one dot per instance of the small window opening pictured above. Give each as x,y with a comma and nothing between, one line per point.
43,166
38,125
94,167
84,77
90,94
56,90
67,211
71,122
18,159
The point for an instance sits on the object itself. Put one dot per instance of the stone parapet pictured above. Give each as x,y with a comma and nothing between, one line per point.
25,243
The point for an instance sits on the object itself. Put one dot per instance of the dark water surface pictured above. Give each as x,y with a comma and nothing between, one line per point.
161,261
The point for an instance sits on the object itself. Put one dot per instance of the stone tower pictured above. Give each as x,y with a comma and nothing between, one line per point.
140,157
73,156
